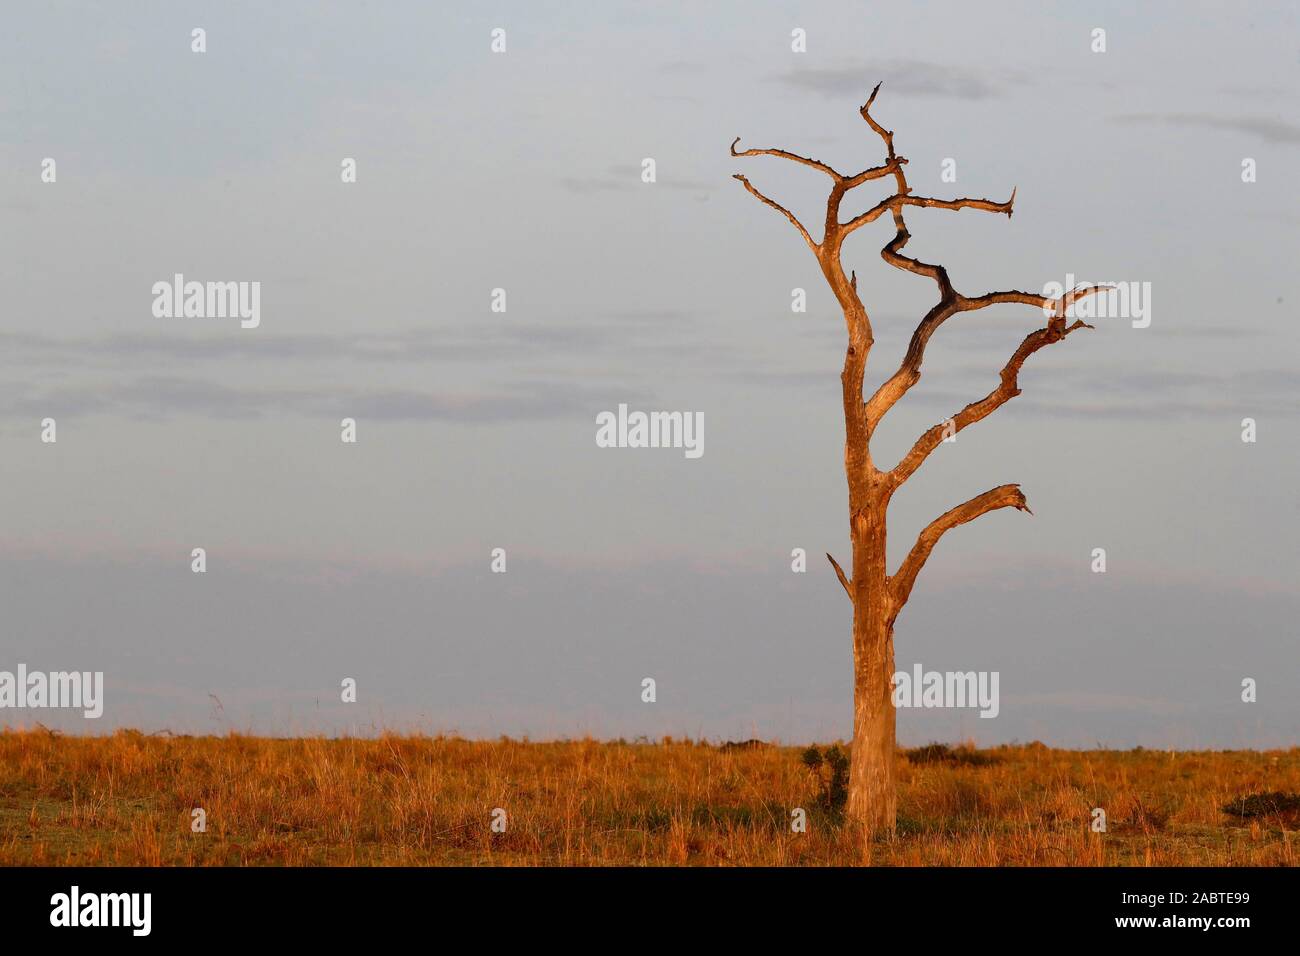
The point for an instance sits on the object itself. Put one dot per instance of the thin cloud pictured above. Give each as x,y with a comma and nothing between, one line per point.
622,178
616,332
1269,129
1079,391
158,398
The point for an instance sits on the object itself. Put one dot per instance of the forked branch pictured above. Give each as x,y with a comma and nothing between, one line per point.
909,370
861,417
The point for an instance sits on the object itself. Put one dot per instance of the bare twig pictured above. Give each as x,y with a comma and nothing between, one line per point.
781,209
839,572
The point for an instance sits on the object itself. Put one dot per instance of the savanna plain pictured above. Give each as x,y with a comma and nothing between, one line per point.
129,799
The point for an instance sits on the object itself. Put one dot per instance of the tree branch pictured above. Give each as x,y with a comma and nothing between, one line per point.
781,209
895,201
909,370
839,572
871,215
985,205
844,287
875,172
845,182
900,584
794,157
862,417
1050,307
892,252
1007,389
886,135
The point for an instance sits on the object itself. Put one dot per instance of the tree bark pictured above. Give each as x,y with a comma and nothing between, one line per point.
871,798
872,802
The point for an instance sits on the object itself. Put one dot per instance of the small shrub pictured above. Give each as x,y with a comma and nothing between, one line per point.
1263,805
942,753
751,744
830,769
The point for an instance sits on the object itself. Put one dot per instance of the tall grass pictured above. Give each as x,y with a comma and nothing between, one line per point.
127,799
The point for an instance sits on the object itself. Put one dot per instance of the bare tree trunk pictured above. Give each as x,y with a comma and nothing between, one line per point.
872,801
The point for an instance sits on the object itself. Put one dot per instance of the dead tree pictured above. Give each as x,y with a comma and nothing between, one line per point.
876,594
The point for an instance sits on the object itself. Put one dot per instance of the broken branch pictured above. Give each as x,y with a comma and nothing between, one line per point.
1004,496
839,572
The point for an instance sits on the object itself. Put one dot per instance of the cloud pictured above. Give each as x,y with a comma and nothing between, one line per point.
623,177
1078,390
908,77
615,332
1269,129
1156,394
165,397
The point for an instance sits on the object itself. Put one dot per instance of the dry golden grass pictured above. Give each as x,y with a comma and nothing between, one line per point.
126,799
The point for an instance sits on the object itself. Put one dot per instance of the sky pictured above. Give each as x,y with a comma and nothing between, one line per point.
522,170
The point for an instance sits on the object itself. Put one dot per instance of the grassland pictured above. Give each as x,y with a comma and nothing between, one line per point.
127,799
